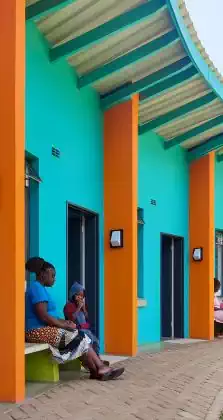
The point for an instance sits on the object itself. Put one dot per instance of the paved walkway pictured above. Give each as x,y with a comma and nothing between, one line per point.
182,382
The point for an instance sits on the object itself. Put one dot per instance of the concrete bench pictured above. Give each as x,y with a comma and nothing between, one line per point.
40,366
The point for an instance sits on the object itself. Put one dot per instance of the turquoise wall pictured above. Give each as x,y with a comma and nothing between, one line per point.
58,114
218,195
163,176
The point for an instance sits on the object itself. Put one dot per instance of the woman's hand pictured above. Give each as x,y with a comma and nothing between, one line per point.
69,325
80,305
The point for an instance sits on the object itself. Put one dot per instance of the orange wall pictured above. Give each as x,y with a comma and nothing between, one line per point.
12,46
120,212
202,235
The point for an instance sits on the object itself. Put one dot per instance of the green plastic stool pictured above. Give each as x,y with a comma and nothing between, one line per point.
41,368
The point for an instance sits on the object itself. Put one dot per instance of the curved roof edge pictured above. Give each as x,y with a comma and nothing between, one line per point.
194,46
194,36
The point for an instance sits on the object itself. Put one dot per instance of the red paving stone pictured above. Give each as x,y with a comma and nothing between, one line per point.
180,383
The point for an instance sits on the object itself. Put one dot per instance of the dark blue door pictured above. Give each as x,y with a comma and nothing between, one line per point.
178,288
83,258
166,286
172,287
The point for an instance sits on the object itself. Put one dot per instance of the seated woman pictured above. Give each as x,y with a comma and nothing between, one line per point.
218,310
44,326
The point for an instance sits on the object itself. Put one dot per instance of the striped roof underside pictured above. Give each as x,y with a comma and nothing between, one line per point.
81,16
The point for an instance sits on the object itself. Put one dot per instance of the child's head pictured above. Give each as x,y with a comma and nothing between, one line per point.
217,285
78,296
77,293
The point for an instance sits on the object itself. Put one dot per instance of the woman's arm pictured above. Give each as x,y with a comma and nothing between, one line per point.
41,312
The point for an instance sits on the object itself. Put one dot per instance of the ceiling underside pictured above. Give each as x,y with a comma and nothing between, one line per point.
144,55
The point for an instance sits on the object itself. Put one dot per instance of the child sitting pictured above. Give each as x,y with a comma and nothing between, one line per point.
75,310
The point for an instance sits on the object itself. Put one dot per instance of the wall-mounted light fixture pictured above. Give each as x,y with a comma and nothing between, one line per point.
116,238
197,254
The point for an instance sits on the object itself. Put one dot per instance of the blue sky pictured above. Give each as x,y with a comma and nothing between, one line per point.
207,16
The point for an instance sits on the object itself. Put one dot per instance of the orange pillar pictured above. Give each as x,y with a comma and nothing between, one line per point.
12,47
120,212
202,235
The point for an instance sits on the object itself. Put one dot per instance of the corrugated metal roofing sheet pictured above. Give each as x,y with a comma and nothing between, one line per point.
120,44
141,69
82,16
195,141
191,120
172,99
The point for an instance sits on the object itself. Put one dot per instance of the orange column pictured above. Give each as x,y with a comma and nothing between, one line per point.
120,212
202,235
12,47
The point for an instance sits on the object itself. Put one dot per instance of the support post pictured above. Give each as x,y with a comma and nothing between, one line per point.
202,235
120,212
12,74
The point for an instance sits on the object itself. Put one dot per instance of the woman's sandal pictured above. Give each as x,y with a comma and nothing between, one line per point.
105,363
114,374
110,375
